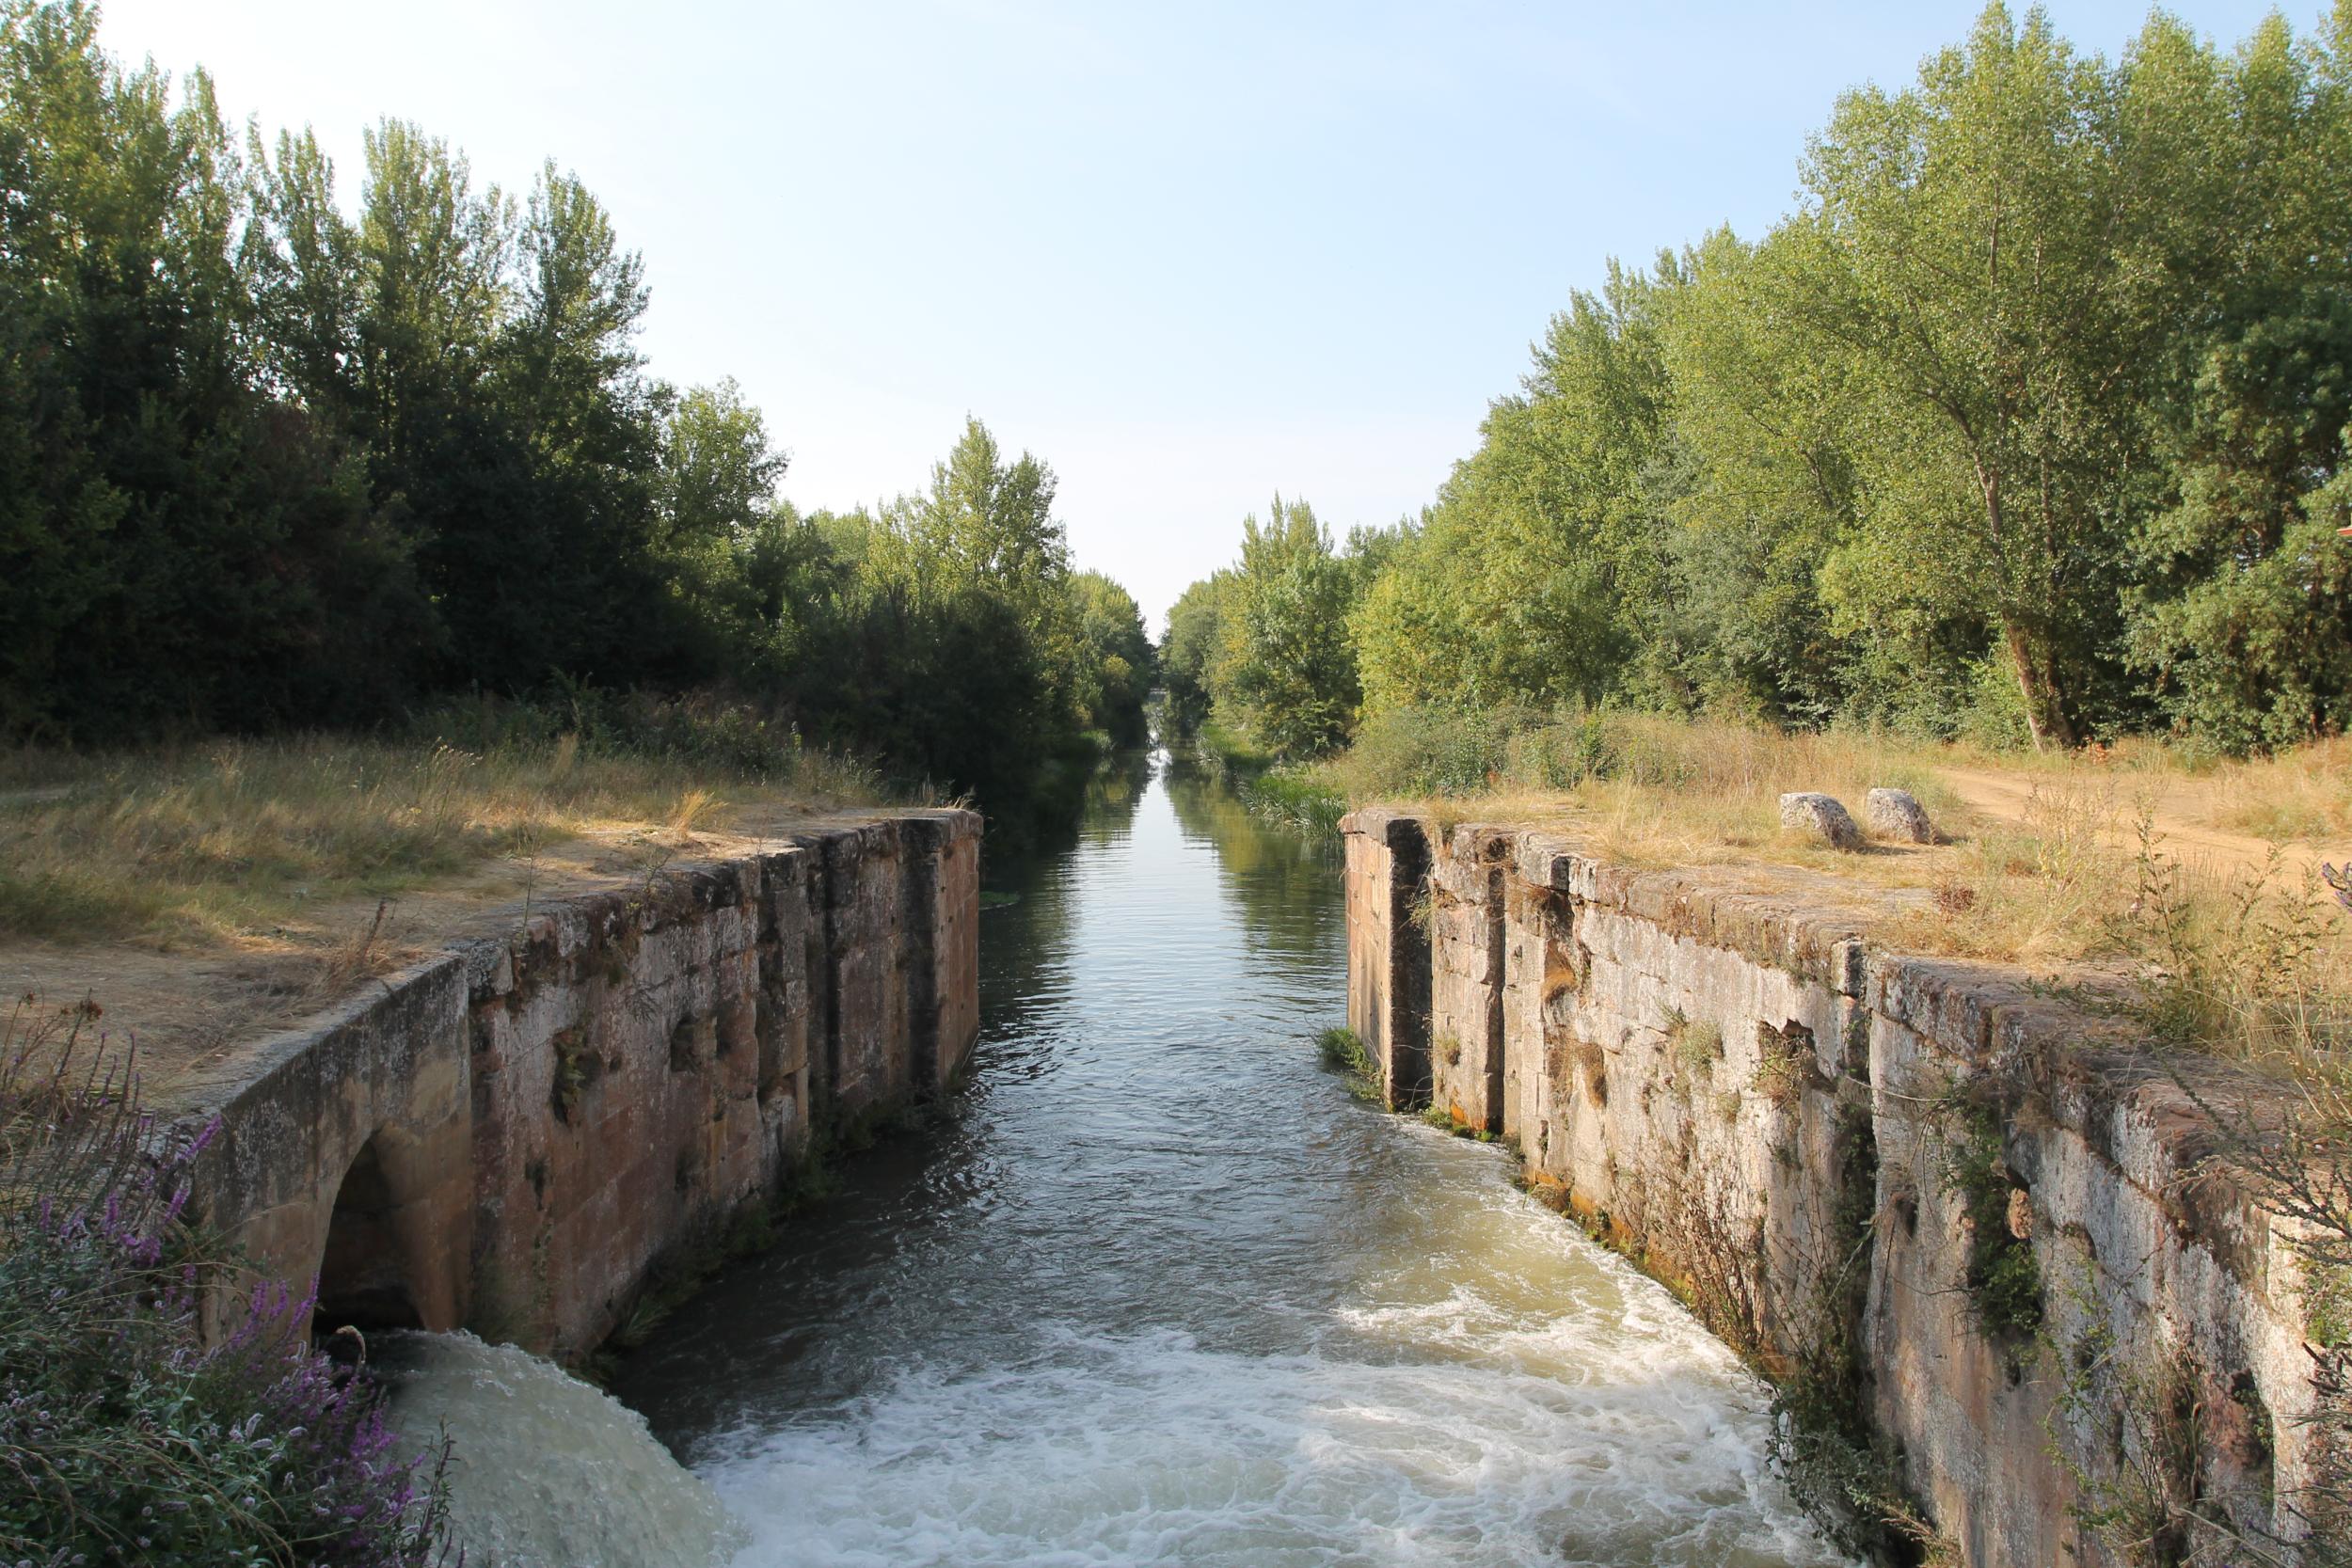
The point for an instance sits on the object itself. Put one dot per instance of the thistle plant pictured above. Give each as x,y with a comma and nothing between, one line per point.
125,1435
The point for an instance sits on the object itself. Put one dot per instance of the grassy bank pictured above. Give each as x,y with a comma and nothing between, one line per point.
1297,795
2140,862
196,844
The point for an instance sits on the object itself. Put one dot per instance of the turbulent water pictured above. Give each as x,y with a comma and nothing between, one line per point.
548,1472
1166,1293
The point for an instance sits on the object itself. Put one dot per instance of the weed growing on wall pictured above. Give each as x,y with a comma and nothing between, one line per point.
1715,1254
2327,1501
1781,1059
577,1068
2144,1503
2003,1277
124,1438
1444,1121
2328,1305
1422,915
1697,1045
1343,1051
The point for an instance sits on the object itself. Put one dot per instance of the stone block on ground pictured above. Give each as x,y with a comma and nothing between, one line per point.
1821,816
1897,815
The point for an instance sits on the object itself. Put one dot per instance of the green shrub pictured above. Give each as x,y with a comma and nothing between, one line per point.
1429,751
2003,1277
1297,796
1562,751
1448,750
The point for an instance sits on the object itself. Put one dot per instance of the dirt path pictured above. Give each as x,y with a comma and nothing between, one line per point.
2175,812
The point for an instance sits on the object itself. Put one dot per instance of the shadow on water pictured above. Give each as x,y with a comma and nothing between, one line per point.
1161,1292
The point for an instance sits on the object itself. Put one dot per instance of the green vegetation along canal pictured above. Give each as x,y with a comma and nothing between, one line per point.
1167,1293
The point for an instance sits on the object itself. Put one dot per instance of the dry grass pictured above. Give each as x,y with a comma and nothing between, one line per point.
1651,790
2059,875
2047,889
207,844
2301,795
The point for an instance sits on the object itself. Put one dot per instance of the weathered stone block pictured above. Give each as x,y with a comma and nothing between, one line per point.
1897,816
1821,816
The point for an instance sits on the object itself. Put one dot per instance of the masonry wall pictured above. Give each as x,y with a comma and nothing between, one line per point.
515,1135
1387,953
1734,1085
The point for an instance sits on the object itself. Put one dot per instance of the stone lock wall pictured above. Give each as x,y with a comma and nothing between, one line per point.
514,1135
1387,953
1729,1081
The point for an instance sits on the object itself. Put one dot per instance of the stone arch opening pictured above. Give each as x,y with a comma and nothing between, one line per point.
362,1277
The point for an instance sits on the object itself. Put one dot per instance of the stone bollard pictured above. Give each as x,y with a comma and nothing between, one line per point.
1895,815
1823,818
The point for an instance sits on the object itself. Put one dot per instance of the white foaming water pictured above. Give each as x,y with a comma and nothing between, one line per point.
1559,1409
549,1471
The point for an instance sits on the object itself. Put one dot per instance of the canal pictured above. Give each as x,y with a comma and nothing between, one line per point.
1167,1293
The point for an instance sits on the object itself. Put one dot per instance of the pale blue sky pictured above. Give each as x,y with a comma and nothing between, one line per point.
1188,254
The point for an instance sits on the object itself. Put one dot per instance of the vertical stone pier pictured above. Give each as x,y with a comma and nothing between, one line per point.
1387,951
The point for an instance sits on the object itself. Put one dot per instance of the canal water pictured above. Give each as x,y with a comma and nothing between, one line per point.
1166,1293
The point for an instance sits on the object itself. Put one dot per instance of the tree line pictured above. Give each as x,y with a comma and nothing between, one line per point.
2029,423
265,462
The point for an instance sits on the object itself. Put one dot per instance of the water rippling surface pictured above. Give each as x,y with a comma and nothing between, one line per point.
1166,1293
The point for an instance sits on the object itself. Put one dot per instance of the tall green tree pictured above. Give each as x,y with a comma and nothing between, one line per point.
1758,485
1116,668
1957,256
2239,613
1189,649
302,260
2030,420
1285,668
435,274
987,522
173,545
955,641
266,463
1538,575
